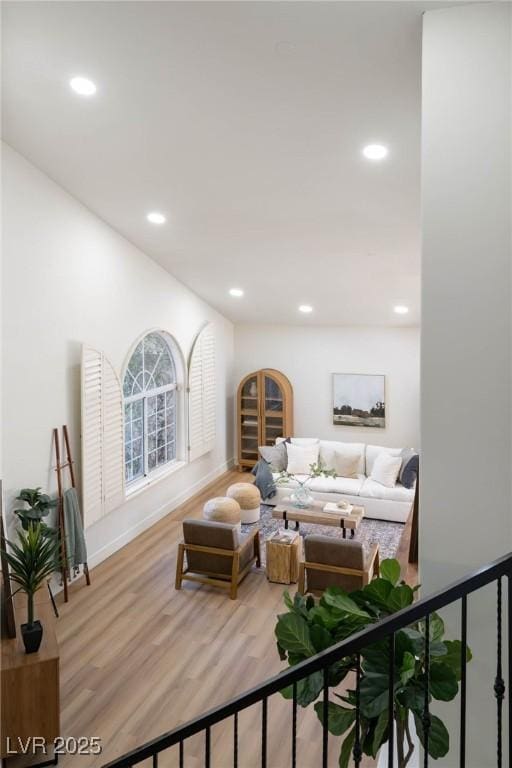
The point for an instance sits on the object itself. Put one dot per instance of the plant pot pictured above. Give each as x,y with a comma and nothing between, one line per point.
32,636
414,762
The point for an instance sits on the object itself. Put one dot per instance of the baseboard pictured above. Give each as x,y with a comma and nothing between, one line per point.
132,533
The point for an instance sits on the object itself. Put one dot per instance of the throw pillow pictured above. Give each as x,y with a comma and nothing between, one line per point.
410,468
346,464
385,469
304,440
300,458
275,455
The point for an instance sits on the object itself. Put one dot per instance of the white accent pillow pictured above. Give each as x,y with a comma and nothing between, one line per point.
304,440
346,463
385,469
300,458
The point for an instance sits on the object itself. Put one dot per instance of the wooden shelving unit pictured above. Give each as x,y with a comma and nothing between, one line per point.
264,412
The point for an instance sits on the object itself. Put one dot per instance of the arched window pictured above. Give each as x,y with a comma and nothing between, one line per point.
151,409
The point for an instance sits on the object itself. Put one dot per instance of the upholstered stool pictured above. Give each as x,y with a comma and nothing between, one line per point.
222,509
249,498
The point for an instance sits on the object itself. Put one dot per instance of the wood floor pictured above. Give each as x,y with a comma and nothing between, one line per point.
138,657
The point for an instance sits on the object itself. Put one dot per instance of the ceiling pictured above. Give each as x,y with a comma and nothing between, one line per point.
243,122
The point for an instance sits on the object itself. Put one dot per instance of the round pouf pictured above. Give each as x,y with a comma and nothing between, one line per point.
249,499
222,509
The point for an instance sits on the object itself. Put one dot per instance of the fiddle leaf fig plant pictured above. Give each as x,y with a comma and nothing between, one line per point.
311,625
39,506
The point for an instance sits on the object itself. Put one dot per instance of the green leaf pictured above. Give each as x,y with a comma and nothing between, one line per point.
438,740
324,616
436,625
453,656
337,598
443,682
400,597
339,718
320,637
292,633
376,656
377,592
381,732
346,749
374,693
287,600
412,696
408,668
308,689
390,571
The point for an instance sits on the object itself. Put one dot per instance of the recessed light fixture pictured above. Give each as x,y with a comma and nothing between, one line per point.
400,309
237,292
375,151
305,308
83,86
156,218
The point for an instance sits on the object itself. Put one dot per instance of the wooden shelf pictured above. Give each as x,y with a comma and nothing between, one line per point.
273,389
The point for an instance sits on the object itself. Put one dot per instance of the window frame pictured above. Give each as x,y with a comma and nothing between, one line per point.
149,476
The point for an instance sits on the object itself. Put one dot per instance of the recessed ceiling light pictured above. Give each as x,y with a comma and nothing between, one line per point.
400,309
236,292
83,86
375,151
306,308
156,218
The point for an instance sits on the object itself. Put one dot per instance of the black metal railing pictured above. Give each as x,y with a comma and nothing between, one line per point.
383,630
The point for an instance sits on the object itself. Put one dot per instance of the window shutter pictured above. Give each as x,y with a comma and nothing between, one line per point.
202,394
102,437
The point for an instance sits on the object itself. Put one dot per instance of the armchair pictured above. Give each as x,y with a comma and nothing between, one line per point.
216,554
336,562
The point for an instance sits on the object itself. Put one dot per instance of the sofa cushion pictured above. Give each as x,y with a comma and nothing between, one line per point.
386,468
275,455
373,490
301,457
351,486
372,451
329,448
410,467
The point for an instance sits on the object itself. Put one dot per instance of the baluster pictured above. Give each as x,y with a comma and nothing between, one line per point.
235,741
357,751
463,659
182,754
264,733
207,747
499,683
391,700
294,726
426,705
155,760
509,665
325,718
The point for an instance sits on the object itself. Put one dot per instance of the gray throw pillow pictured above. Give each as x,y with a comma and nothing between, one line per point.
275,455
410,467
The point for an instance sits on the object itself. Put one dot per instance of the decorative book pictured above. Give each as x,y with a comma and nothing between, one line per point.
333,508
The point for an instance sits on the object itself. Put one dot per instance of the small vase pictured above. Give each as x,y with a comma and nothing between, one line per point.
301,498
32,636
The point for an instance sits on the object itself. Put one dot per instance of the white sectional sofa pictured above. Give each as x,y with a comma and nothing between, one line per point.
379,501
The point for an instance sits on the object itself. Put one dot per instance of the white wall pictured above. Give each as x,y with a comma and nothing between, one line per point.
68,279
465,496
309,357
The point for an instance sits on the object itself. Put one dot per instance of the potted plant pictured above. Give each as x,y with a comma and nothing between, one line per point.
39,506
31,562
312,625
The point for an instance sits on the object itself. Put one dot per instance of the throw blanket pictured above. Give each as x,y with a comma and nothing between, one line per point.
75,540
264,481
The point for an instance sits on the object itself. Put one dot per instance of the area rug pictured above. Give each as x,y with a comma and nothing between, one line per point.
387,535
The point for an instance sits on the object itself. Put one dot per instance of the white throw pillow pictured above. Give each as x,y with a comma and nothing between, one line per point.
385,469
305,440
346,464
300,458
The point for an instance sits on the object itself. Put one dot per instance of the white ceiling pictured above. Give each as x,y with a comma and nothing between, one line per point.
244,123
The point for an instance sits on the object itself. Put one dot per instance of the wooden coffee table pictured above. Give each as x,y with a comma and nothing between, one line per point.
315,515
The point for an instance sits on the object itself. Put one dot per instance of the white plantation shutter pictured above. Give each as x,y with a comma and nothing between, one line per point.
202,394
102,437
